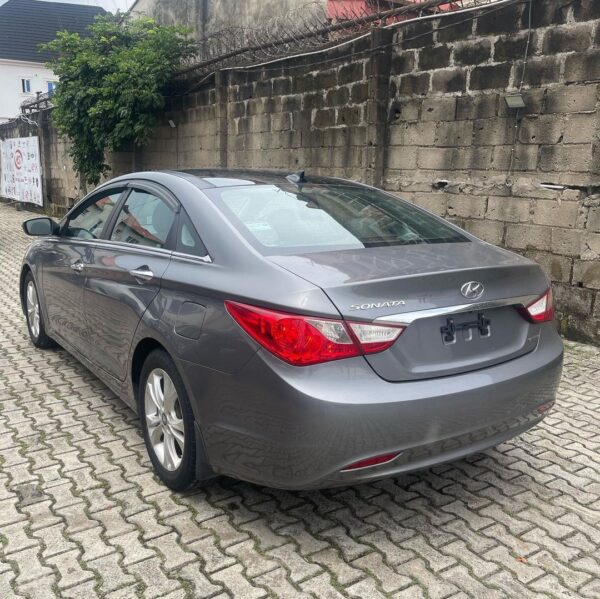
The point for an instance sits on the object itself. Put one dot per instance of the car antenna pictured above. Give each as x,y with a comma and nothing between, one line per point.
297,179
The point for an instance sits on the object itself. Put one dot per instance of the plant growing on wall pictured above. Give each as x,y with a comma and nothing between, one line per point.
112,85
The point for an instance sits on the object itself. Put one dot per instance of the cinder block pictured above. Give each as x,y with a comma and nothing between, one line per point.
490,231
417,35
581,128
573,300
490,76
480,106
438,109
539,71
593,220
525,157
586,10
337,97
583,67
549,212
558,268
449,81
473,52
544,129
435,158
433,202
349,115
435,57
591,246
527,237
506,20
578,157
402,158
454,133
324,118
587,273
575,98
411,85
412,134
511,47
570,38
494,132
567,242
456,27
467,206
403,62
508,209
472,158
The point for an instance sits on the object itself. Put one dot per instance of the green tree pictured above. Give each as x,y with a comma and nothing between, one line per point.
112,85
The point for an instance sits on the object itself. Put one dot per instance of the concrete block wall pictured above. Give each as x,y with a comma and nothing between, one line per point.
526,181
420,110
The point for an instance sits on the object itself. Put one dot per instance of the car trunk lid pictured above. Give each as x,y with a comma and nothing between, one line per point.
420,286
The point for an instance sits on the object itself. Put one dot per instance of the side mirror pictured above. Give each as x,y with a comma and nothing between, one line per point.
41,226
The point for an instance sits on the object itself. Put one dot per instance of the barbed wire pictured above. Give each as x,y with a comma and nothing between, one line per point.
312,26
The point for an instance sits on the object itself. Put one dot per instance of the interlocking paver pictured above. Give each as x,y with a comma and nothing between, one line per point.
82,515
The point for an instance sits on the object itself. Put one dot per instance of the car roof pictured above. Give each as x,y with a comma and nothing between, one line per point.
223,177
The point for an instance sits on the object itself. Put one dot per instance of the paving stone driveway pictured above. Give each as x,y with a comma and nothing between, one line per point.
81,514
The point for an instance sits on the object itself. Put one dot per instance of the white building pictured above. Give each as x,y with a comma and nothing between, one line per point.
24,25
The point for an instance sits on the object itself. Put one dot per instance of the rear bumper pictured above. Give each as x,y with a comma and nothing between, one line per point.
297,428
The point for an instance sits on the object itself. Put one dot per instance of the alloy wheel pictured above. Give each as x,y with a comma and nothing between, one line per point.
33,309
164,419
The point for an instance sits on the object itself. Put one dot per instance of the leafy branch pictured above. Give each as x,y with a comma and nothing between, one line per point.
112,85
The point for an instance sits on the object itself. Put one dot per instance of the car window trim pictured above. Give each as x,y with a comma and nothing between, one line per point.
117,245
151,188
110,223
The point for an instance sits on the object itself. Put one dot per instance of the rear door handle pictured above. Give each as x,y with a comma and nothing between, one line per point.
78,266
144,274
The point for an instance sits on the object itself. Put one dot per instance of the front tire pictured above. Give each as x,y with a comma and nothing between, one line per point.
34,315
167,421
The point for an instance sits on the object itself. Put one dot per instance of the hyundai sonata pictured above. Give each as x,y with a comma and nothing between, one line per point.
293,331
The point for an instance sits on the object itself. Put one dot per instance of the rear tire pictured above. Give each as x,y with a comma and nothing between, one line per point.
35,315
167,421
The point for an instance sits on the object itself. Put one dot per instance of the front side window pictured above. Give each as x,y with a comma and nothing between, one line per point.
89,222
281,218
145,219
26,86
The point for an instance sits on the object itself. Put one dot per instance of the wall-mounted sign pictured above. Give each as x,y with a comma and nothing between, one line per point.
20,170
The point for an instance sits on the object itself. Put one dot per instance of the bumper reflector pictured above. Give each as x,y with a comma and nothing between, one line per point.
374,461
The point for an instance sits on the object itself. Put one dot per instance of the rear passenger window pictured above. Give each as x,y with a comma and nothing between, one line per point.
145,219
188,240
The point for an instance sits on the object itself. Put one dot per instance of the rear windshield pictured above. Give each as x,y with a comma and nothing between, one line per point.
278,219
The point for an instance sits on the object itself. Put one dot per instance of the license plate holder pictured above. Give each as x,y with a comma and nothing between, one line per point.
451,328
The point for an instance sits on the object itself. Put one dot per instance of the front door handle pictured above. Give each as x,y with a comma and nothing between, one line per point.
78,266
144,274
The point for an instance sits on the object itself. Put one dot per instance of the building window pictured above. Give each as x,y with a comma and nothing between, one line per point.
26,86
51,86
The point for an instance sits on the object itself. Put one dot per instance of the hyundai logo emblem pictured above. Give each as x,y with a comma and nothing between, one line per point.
472,290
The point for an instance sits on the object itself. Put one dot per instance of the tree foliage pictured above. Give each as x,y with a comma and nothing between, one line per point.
112,84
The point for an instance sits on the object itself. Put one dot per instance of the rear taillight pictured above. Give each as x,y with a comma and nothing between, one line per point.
303,340
540,310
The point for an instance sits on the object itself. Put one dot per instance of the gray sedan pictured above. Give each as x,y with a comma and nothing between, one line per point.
293,331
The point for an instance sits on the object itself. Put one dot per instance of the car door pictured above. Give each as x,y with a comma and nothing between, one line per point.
124,274
64,266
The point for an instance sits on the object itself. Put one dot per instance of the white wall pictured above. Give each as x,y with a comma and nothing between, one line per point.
11,73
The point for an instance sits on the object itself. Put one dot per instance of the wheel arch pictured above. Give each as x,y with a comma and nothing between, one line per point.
25,270
143,349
